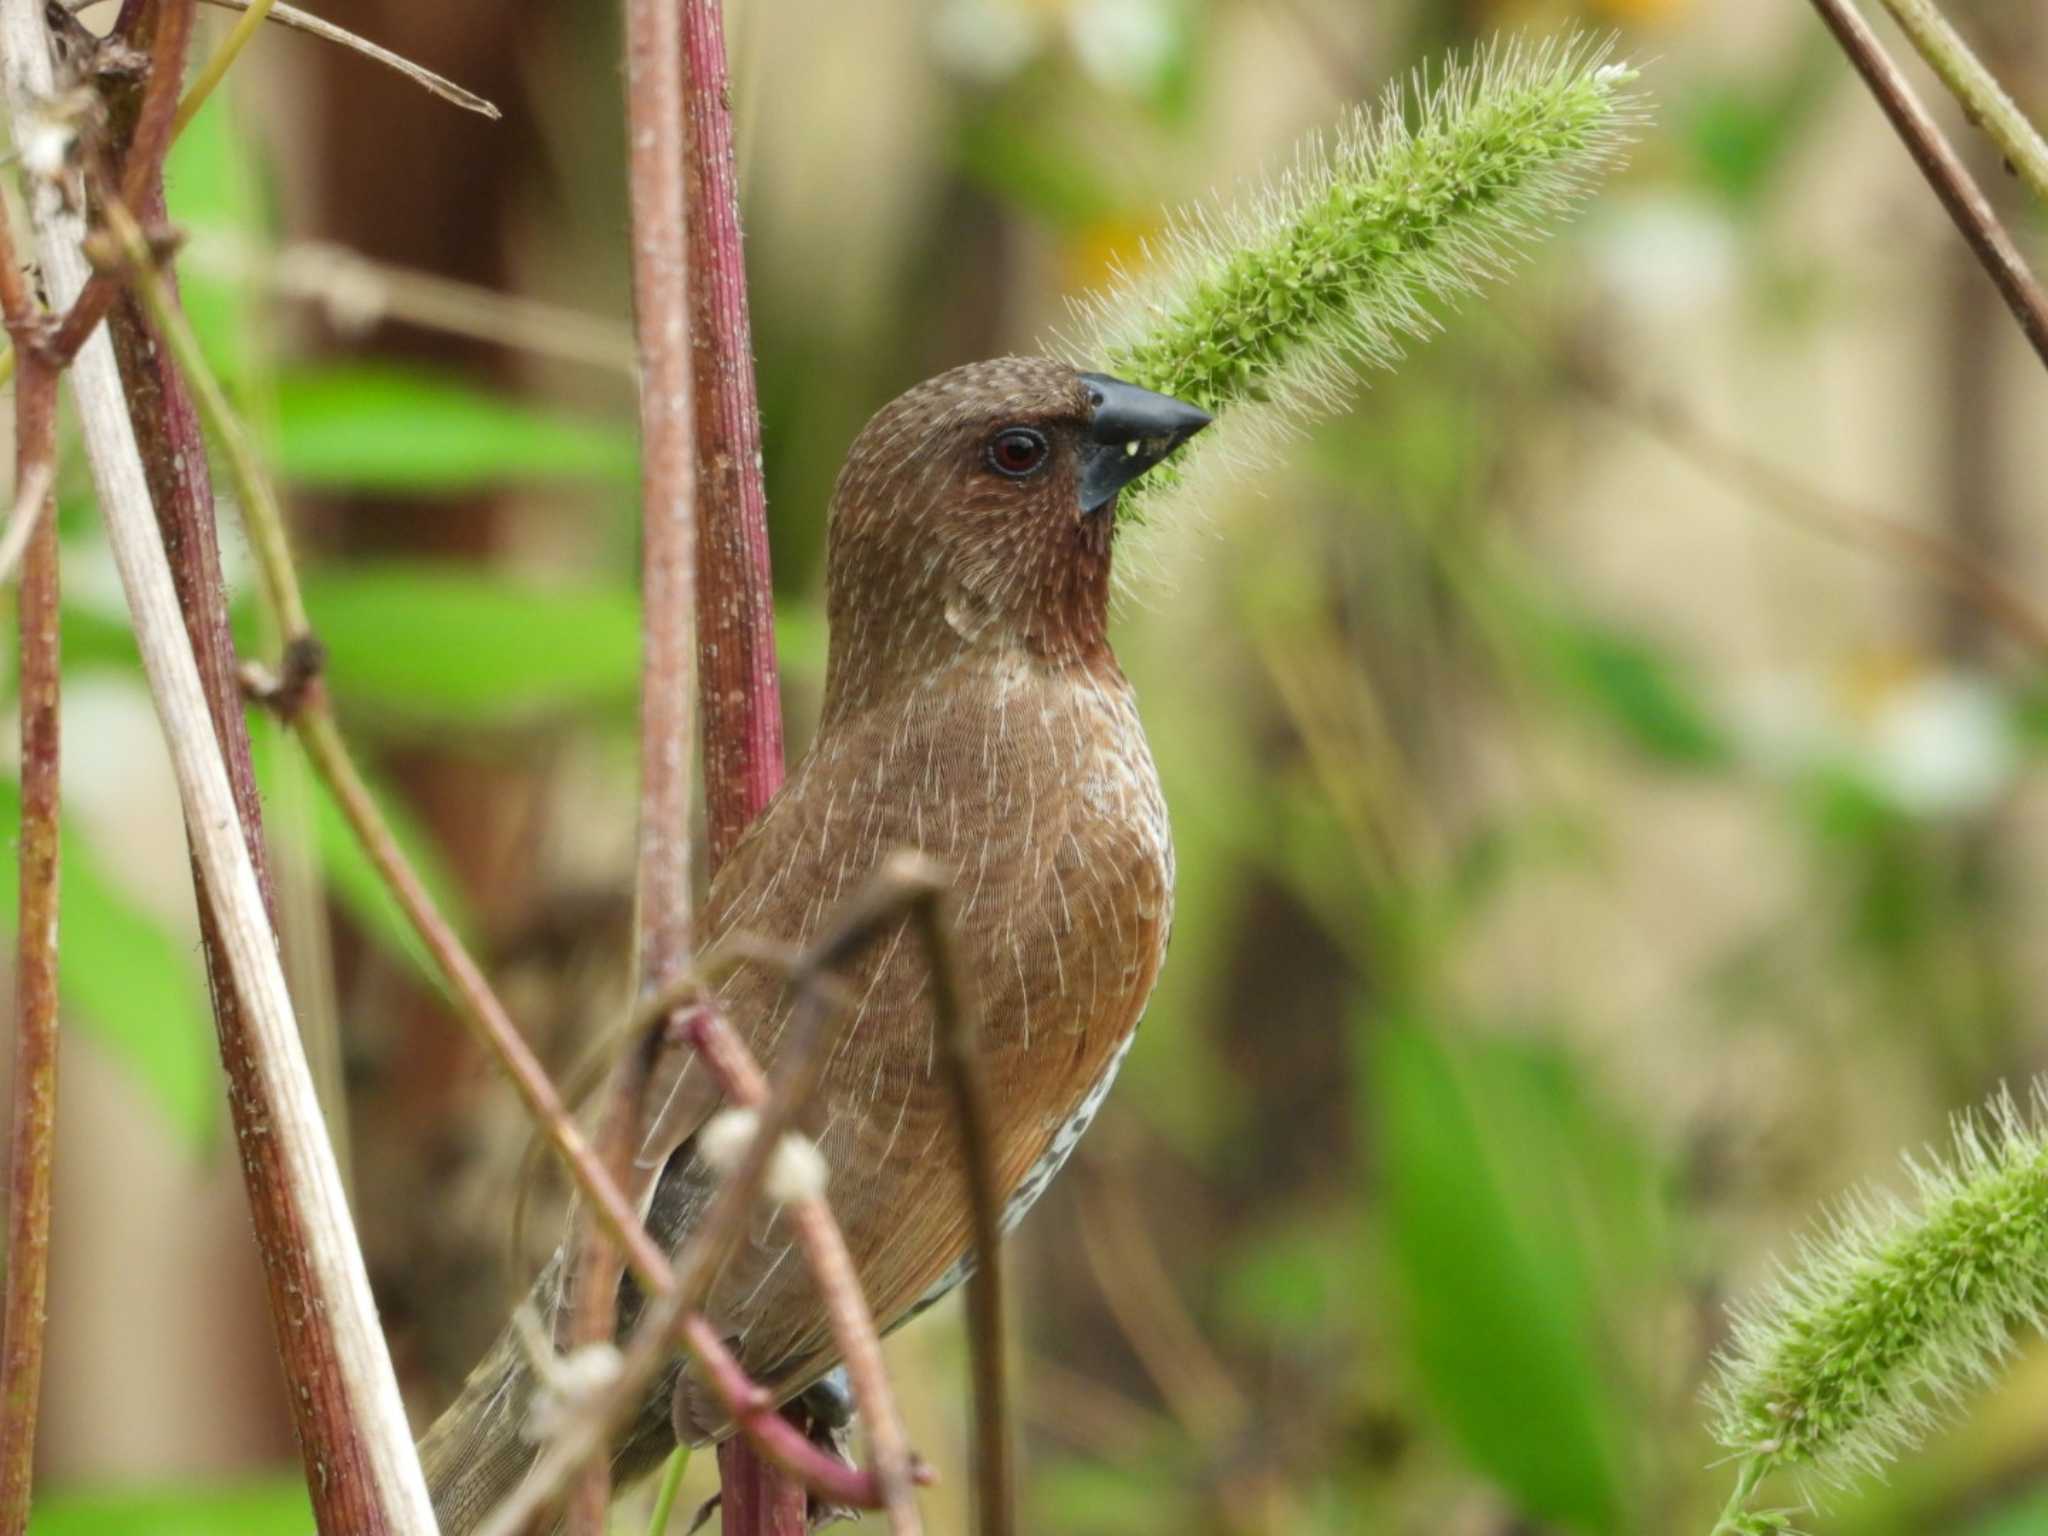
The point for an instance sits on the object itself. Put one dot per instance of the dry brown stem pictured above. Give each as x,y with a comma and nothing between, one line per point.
33,1122
995,1476
1944,170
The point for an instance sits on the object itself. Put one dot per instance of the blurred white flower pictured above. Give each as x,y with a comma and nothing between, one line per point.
1928,742
1664,254
987,40
1944,743
1121,44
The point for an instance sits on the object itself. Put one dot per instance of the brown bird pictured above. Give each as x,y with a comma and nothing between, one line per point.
973,711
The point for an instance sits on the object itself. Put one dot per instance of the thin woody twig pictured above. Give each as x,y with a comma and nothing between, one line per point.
1152,1317
1938,162
1982,97
313,721
995,1475
1809,507
33,1121
356,292
372,1482
594,1290
217,67
316,26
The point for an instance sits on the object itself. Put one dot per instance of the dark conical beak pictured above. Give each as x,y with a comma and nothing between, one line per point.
1131,430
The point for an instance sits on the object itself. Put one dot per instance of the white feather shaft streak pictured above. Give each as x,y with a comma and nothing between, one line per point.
251,950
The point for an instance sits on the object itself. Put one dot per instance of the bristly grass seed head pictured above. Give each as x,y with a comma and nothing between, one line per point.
1894,1312
1264,315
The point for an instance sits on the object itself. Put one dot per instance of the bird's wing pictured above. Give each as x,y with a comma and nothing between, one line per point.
1061,902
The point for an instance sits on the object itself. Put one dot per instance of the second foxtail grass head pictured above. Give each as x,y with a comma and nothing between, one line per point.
1893,1314
1265,314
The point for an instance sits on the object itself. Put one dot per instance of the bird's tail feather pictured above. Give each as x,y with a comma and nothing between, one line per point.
480,1448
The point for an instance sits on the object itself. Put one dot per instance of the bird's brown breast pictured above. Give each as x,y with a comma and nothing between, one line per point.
1034,786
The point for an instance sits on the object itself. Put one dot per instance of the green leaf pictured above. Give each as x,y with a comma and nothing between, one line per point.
278,1508
1018,156
92,640
1491,1162
393,431
128,982
211,187
1742,131
1099,1498
1636,690
453,645
2027,1517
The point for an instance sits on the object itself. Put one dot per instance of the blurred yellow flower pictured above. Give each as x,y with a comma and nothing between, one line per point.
1093,255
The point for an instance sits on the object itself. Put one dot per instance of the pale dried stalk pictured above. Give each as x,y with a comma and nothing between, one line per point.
31,502
343,1305
1953,185
1976,88
356,292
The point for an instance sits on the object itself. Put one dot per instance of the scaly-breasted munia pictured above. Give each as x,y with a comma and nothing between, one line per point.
973,711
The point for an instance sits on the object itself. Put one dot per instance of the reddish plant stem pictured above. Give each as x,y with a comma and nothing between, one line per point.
739,688
339,1476
1944,170
832,1269
800,1463
34,1124
741,701
658,188
654,107
756,1494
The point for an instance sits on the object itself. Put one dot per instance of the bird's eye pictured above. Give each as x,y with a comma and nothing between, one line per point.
1016,452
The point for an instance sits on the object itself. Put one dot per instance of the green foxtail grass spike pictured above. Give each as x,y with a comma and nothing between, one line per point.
1892,1314
1264,314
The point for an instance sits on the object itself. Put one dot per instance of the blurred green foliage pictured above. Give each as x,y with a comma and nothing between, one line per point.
262,1509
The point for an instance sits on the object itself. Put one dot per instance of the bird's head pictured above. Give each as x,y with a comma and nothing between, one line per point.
978,509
